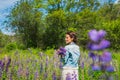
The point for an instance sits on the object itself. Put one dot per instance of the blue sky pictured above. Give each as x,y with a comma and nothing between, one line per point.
5,9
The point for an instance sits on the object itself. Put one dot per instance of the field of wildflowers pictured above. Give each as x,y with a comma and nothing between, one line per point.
96,63
26,65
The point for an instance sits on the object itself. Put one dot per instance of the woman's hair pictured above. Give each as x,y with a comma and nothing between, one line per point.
72,35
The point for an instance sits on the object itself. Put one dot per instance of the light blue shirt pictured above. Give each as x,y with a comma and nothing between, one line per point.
72,55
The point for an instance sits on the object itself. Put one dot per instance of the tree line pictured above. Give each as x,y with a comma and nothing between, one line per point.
43,23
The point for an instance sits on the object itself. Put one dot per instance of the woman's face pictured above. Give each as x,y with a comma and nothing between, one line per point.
68,39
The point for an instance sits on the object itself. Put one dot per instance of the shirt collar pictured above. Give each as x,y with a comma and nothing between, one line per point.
72,43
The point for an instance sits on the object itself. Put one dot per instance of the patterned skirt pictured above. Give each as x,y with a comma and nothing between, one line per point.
69,73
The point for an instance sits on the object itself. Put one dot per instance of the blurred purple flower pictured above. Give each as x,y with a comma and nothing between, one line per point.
103,67
27,72
93,56
110,68
60,65
47,61
82,65
102,45
61,51
101,33
95,35
1,67
36,75
19,71
10,77
106,57
54,76
93,46
95,67
41,67
100,62
8,64
2,64
45,75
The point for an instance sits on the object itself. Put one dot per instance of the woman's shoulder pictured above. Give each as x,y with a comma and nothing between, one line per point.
73,45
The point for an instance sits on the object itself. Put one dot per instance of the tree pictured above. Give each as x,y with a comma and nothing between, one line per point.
54,34
25,20
64,15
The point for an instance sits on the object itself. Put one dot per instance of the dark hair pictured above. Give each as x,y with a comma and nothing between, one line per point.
72,35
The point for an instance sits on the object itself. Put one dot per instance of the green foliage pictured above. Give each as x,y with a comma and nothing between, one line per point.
11,46
49,51
25,20
1,35
21,46
54,33
43,23
113,30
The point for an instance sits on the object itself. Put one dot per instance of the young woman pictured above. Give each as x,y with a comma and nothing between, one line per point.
70,58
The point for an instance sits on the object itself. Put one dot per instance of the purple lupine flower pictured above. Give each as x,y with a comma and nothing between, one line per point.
93,34
93,56
10,77
95,67
68,76
55,64
27,72
106,57
110,68
61,51
2,65
99,43
36,75
101,34
45,75
93,46
104,44
41,67
60,65
54,76
82,65
47,61
103,67
96,36
8,63
19,71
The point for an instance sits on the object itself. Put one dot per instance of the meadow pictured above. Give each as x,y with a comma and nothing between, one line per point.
35,64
